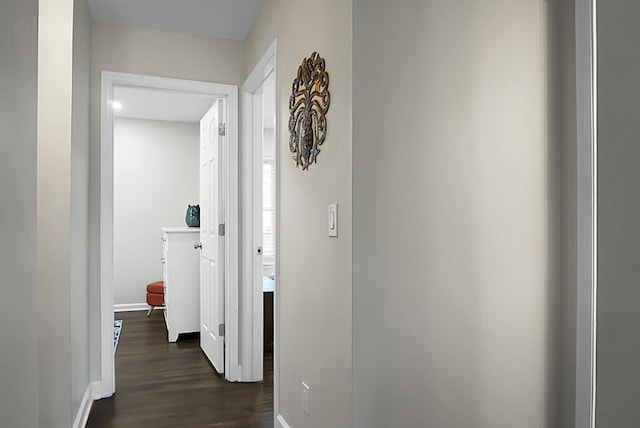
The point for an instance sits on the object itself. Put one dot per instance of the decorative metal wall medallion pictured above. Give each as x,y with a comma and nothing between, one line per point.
308,106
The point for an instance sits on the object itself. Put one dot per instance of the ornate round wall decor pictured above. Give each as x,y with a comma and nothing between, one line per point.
308,106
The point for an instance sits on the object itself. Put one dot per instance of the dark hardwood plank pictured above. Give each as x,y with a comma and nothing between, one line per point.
162,384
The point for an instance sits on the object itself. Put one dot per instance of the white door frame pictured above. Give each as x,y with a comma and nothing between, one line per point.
109,80
252,322
587,210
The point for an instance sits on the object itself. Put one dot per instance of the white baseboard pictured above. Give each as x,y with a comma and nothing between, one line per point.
85,408
129,307
96,390
100,391
281,422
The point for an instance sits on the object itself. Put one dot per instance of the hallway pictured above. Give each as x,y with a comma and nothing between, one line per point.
162,384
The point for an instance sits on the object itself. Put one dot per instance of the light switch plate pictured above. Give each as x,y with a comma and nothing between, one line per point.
306,399
333,220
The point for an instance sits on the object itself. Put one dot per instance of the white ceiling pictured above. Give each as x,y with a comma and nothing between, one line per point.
156,104
227,19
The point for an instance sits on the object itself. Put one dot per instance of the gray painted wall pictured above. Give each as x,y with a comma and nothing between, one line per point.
55,48
19,334
313,270
455,155
80,205
563,215
44,280
618,341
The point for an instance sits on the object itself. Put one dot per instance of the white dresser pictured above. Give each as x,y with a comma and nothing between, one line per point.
181,275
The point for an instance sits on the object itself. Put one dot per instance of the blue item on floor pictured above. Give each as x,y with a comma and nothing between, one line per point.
117,327
268,284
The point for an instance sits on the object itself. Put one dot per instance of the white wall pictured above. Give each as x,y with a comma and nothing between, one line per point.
314,276
618,341
19,334
143,51
80,206
156,177
451,214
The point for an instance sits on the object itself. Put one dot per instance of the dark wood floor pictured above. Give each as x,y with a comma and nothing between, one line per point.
162,384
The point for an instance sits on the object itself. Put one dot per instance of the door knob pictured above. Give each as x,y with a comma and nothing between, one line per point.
197,245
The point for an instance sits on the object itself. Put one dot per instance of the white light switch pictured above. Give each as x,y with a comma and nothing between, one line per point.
333,220
306,399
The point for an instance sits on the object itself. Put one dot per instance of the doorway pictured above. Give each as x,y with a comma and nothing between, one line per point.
156,176
110,82
260,215
268,208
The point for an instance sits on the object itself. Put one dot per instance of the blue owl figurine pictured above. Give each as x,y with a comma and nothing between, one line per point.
193,216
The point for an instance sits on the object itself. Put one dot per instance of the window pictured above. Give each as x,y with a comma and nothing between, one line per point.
269,209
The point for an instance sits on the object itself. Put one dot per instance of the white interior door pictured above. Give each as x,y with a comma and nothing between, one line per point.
212,175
